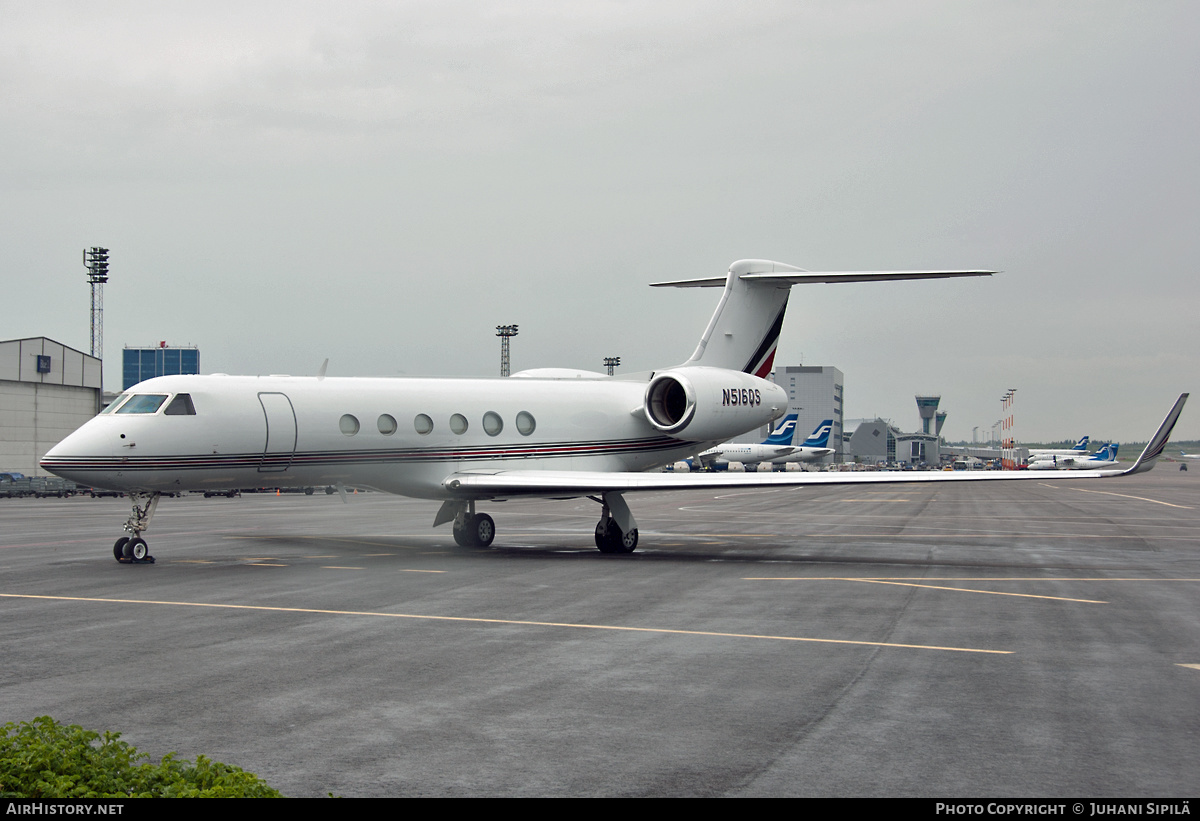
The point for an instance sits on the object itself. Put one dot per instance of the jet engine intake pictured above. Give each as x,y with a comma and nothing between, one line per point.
711,403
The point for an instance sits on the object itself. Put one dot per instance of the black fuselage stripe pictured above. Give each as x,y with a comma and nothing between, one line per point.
216,461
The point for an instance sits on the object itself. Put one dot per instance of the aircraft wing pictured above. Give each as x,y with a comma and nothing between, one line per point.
508,484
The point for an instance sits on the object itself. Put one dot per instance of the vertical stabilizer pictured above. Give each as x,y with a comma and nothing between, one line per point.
744,330
820,436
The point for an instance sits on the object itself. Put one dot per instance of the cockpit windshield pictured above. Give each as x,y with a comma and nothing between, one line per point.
116,403
143,403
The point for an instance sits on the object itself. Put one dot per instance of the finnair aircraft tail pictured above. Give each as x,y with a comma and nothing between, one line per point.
820,436
786,431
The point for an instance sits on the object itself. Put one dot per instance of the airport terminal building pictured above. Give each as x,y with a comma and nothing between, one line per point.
47,390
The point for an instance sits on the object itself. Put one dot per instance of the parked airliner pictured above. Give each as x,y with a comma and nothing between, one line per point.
1106,457
776,449
1080,448
465,441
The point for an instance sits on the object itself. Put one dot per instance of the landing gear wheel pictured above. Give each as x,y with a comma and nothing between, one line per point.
476,530
613,540
462,536
138,549
485,530
119,548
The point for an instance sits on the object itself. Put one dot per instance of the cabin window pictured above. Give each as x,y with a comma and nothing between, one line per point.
143,403
423,424
458,423
181,405
492,423
525,423
387,424
348,424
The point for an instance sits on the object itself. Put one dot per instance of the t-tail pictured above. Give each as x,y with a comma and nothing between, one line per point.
743,333
786,431
1081,445
820,436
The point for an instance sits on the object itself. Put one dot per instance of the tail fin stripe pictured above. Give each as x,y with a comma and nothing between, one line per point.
764,356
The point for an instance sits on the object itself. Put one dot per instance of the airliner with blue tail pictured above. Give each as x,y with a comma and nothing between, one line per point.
776,448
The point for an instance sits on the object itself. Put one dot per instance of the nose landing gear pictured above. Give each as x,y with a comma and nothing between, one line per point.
132,549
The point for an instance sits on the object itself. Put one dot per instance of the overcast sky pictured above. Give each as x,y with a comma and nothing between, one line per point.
384,183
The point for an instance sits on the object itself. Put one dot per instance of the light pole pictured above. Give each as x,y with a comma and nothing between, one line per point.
1008,445
505,332
96,261
611,362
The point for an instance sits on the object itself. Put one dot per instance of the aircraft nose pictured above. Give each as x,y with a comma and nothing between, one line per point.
78,455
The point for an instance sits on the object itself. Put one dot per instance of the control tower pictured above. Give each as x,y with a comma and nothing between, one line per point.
927,407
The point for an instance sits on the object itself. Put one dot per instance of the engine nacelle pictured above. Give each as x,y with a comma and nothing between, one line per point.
711,404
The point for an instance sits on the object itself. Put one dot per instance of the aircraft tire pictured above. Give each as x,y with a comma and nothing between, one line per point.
462,535
614,541
483,528
119,548
627,543
602,537
137,549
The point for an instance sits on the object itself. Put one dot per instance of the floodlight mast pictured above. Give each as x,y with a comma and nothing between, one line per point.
1008,443
611,362
95,259
505,332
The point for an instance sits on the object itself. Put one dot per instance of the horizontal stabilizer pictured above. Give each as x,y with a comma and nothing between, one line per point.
820,277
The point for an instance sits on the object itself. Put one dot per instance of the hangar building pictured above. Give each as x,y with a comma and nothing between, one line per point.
47,390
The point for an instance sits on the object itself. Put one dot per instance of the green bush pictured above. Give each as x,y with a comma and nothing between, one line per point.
45,759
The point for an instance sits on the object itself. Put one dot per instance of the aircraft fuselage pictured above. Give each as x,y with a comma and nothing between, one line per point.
400,435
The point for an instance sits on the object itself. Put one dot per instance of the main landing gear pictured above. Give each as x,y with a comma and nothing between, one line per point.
610,536
616,532
132,549
474,529
471,529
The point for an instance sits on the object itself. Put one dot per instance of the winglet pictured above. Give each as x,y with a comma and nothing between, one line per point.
1159,441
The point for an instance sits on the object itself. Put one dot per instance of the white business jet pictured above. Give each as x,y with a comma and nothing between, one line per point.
551,434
